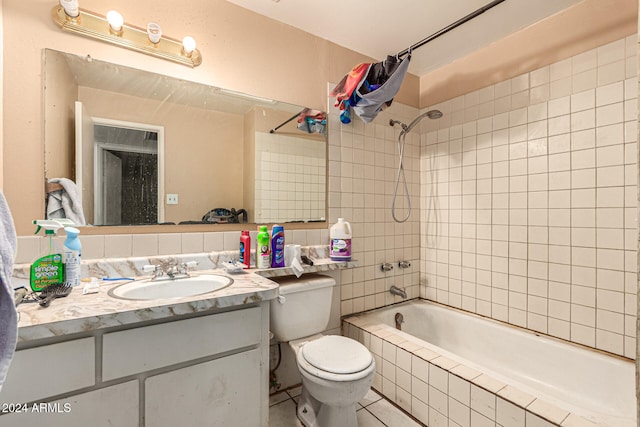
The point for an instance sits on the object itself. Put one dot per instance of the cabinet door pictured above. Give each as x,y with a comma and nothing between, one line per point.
222,392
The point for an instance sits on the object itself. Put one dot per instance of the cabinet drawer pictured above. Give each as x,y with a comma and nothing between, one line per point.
143,349
40,372
221,392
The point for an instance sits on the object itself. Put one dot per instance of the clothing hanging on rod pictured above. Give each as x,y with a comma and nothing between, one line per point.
369,88
382,84
357,90
312,121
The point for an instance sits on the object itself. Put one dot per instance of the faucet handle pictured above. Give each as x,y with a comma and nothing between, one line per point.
387,266
404,264
185,266
156,269
148,268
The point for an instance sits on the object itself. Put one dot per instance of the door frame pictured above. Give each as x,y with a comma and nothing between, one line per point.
101,147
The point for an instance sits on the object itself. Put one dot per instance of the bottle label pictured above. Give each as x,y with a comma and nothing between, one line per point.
72,268
242,252
264,258
277,257
46,271
340,248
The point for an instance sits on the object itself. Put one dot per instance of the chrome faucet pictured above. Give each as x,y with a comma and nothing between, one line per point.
397,291
173,272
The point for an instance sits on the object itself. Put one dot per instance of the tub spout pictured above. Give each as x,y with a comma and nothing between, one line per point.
397,291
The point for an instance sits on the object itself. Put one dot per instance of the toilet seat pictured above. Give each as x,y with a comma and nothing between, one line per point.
336,358
337,354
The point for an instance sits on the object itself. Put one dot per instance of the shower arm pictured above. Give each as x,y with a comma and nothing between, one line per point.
450,27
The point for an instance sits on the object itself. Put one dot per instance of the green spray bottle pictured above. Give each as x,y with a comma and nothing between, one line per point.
49,268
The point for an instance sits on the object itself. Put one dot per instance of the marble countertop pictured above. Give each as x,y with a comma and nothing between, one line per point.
78,313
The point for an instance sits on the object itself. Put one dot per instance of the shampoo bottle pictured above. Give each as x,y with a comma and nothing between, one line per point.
277,246
72,257
263,253
340,241
245,248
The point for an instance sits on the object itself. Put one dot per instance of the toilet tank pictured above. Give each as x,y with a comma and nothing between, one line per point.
303,308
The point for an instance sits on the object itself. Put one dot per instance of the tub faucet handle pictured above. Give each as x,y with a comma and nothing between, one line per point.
387,266
404,264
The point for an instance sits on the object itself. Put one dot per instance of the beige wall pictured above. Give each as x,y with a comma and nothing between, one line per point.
60,123
241,51
203,160
576,29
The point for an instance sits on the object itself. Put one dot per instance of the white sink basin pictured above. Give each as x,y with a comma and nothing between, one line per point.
148,289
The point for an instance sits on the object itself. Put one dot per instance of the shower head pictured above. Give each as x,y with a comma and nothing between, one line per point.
434,114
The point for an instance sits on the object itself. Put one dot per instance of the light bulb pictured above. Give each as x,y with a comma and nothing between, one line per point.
115,20
70,7
154,32
188,45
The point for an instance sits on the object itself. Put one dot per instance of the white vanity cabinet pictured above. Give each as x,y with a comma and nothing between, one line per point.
198,370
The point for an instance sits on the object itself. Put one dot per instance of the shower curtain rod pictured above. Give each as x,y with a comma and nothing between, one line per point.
285,122
450,27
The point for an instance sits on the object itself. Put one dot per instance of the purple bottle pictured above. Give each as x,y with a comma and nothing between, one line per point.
277,246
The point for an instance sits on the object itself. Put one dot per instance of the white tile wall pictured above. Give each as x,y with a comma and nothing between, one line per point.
286,166
363,162
139,245
529,208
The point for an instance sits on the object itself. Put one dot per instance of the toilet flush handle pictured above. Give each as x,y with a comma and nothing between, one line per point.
281,299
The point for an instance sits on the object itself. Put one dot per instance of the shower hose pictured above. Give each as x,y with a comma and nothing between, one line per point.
401,176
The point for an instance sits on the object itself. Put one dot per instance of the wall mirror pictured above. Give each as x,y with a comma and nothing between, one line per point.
145,148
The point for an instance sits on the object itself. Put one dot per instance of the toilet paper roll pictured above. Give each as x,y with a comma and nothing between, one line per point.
292,252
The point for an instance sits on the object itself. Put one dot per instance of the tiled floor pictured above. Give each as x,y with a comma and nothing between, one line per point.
373,411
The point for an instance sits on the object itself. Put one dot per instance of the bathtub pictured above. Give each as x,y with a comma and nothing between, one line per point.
469,366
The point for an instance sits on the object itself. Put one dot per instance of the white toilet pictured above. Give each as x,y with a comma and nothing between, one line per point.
336,371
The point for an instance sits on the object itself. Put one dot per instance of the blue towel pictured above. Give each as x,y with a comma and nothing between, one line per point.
8,314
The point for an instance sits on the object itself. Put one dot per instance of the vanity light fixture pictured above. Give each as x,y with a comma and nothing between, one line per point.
188,45
112,29
70,7
154,32
116,21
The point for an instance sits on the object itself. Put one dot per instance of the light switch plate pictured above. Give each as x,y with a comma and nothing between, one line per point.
172,199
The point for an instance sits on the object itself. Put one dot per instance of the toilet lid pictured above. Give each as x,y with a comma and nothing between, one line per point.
337,354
